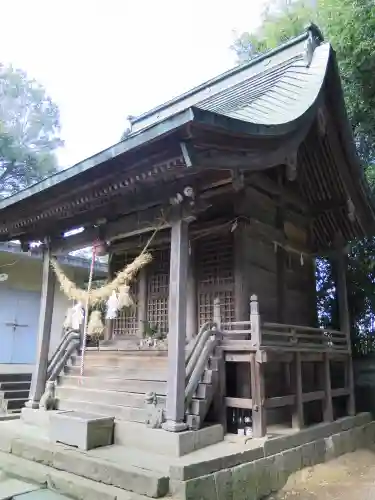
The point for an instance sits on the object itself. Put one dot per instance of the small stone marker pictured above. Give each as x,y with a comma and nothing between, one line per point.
82,430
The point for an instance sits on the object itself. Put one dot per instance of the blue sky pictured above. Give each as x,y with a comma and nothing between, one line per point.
103,60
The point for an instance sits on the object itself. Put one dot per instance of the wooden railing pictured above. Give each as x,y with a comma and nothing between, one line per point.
254,335
302,338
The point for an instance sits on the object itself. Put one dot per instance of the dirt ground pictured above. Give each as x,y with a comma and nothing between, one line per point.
350,477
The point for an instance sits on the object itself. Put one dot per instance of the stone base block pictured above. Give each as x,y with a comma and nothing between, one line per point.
173,444
81,430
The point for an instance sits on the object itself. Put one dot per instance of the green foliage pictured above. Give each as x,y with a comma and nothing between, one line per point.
29,132
349,25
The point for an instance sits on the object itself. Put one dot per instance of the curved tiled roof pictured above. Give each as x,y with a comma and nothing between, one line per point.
275,98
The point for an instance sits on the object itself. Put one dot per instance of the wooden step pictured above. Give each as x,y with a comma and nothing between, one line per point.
126,362
15,377
14,394
115,398
115,384
13,404
119,412
120,372
15,386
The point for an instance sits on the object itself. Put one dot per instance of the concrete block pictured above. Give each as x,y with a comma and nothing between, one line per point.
141,481
202,488
292,460
40,452
159,441
39,418
264,477
369,434
244,482
194,470
83,430
223,484
5,440
78,487
191,471
308,451
208,436
247,455
10,487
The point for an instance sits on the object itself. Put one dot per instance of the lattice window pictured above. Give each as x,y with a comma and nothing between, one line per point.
158,290
126,322
215,277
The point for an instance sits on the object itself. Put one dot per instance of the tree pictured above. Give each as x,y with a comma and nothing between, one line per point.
349,25
29,132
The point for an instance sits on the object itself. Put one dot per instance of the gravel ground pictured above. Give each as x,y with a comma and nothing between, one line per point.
350,477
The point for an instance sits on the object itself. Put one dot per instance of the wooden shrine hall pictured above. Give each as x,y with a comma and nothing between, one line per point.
237,187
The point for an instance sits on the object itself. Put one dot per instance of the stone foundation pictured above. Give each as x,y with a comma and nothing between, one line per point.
240,470
267,469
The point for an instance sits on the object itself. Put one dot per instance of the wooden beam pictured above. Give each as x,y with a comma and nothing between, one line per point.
280,401
244,403
337,393
175,405
266,184
307,397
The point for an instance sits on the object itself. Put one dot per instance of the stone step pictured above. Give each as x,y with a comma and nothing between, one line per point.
15,377
115,384
128,363
11,394
15,386
119,412
13,404
64,483
117,398
115,466
120,372
125,352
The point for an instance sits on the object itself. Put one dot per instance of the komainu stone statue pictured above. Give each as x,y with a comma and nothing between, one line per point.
48,400
154,415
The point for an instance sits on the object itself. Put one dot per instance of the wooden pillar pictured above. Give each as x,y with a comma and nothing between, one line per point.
345,325
326,379
175,406
241,287
142,301
191,306
280,259
44,332
258,397
298,414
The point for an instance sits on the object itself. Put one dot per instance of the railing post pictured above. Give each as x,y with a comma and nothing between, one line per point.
255,321
217,315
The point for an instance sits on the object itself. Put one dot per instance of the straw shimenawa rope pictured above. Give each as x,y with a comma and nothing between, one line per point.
95,296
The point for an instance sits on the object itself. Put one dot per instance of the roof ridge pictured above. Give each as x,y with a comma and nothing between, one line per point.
311,29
